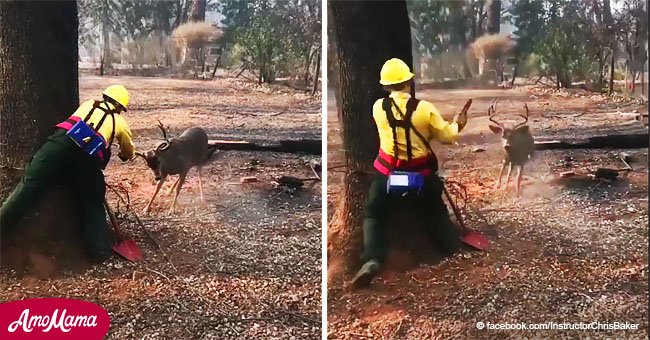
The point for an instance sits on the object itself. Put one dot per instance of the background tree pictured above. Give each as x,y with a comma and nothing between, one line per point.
364,42
38,88
197,14
634,35
493,27
96,16
38,79
130,24
273,37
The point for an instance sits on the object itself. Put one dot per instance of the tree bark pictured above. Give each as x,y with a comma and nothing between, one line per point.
493,27
38,79
308,61
216,65
164,29
481,17
197,13
106,42
198,10
514,75
316,74
609,21
364,42
38,88
472,14
611,70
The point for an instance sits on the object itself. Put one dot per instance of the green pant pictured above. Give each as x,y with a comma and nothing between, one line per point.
61,162
427,206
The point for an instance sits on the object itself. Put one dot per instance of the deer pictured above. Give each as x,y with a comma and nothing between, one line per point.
517,143
176,156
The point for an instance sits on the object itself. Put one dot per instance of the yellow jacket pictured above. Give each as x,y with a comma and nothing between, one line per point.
122,132
426,119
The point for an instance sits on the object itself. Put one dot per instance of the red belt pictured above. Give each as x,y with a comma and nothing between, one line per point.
384,163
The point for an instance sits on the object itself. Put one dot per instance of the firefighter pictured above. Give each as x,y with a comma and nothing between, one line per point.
74,156
406,168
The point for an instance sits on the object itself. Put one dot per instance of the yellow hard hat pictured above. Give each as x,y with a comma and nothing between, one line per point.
119,94
395,71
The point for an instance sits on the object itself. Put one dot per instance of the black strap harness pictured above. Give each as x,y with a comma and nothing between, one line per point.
107,112
406,124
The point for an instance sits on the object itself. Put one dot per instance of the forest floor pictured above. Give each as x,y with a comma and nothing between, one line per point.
568,250
246,263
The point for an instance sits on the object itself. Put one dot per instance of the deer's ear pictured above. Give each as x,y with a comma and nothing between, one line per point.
522,129
495,129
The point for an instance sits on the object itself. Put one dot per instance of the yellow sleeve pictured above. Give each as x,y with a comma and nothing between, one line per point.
84,108
124,138
444,131
377,109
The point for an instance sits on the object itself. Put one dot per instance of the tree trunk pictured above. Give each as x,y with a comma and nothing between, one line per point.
462,50
364,42
38,88
609,21
308,60
479,24
164,29
514,75
493,24
472,14
643,81
611,72
316,74
197,12
601,66
101,66
625,79
494,17
106,46
38,79
216,65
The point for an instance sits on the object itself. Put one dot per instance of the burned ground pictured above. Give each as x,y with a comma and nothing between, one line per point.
568,250
246,263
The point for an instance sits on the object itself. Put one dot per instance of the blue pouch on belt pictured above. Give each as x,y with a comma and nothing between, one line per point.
86,137
404,182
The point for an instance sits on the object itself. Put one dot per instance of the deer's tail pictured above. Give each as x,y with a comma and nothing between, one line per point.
211,150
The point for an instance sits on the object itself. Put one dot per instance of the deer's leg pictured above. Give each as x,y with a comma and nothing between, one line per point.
519,175
173,186
200,183
148,207
181,180
508,176
498,182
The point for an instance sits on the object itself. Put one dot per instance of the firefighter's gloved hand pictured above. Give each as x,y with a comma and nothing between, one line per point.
461,118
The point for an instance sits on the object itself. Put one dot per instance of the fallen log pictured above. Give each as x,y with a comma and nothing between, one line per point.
308,146
627,141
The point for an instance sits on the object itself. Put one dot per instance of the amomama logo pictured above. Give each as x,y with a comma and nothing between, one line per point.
52,318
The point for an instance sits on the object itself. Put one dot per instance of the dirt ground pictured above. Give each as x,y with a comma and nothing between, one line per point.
246,263
568,250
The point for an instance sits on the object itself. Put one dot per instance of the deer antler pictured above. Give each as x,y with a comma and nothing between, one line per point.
164,132
524,117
